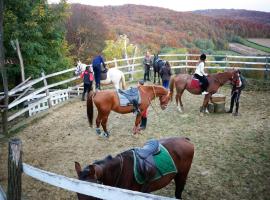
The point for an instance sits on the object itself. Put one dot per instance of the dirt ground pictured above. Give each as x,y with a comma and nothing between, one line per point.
261,41
231,153
245,50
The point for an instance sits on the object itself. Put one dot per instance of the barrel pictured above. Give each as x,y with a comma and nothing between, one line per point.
219,102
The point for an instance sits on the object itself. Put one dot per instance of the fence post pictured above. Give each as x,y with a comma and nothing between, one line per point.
47,90
266,72
226,59
186,64
14,169
115,62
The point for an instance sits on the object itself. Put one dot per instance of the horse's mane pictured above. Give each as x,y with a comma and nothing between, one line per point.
99,162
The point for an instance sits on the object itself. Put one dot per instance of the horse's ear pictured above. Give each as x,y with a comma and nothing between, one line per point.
92,170
78,168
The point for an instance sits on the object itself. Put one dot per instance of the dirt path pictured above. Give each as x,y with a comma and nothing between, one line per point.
231,153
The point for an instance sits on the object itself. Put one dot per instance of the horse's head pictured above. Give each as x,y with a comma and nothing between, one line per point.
164,100
235,80
92,173
78,69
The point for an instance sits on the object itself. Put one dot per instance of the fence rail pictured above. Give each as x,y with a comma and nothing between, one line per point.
177,61
87,188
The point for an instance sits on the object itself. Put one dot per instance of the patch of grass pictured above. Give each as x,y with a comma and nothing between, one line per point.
254,45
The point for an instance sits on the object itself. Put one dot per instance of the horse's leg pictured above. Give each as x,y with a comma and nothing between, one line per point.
154,76
104,125
178,99
205,103
136,128
180,181
98,121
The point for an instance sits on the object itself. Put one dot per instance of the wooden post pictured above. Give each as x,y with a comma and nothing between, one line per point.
4,111
14,170
47,90
267,69
115,63
186,64
18,50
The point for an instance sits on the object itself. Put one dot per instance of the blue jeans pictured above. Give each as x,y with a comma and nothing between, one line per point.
165,84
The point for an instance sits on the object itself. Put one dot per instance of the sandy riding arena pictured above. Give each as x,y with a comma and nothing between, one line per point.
232,154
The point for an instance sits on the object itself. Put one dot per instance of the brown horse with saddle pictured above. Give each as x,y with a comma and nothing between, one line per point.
187,82
144,169
108,100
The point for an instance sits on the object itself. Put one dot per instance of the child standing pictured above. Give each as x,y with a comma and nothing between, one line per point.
88,78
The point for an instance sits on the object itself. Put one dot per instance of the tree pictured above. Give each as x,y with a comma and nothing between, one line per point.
40,30
86,32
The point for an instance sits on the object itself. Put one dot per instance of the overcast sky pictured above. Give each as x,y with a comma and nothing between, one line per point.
186,5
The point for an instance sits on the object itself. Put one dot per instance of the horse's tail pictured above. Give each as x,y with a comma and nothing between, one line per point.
123,81
90,108
172,80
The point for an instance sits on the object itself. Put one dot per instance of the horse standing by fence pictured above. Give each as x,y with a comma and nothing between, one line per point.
114,76
118,171
108,100
157,64
185,82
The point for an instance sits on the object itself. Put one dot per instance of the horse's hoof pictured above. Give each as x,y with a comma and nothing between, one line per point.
98,131
105,134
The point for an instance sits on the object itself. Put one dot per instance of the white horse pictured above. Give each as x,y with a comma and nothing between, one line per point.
114,76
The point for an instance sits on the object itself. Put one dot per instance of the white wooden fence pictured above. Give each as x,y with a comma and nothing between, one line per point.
87,188
178,61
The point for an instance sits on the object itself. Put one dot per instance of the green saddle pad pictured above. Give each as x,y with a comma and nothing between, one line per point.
164,163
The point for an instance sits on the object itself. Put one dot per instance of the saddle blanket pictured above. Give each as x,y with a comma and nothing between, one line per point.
164,163
195,83
126,96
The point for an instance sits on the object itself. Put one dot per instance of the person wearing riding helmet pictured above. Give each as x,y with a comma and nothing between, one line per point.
201,75
88,78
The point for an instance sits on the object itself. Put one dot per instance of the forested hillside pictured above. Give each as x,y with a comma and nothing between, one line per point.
156,28
246,15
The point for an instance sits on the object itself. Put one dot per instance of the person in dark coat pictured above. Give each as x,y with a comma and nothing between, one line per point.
88,78
237,87
165,73
97,62
147,62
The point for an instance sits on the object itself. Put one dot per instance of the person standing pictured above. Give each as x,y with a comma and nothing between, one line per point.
165,73
201,75
97,62
147,61
237,87
88,78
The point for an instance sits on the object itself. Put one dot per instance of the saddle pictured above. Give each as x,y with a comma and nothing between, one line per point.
145,159
131,97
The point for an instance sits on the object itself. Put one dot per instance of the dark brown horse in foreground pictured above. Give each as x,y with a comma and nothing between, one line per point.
183,82
118,171
107,100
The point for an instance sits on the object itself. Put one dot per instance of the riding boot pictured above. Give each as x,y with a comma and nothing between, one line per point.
231,106
143,123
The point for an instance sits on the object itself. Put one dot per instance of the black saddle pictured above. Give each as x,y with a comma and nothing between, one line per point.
132,95
145,159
